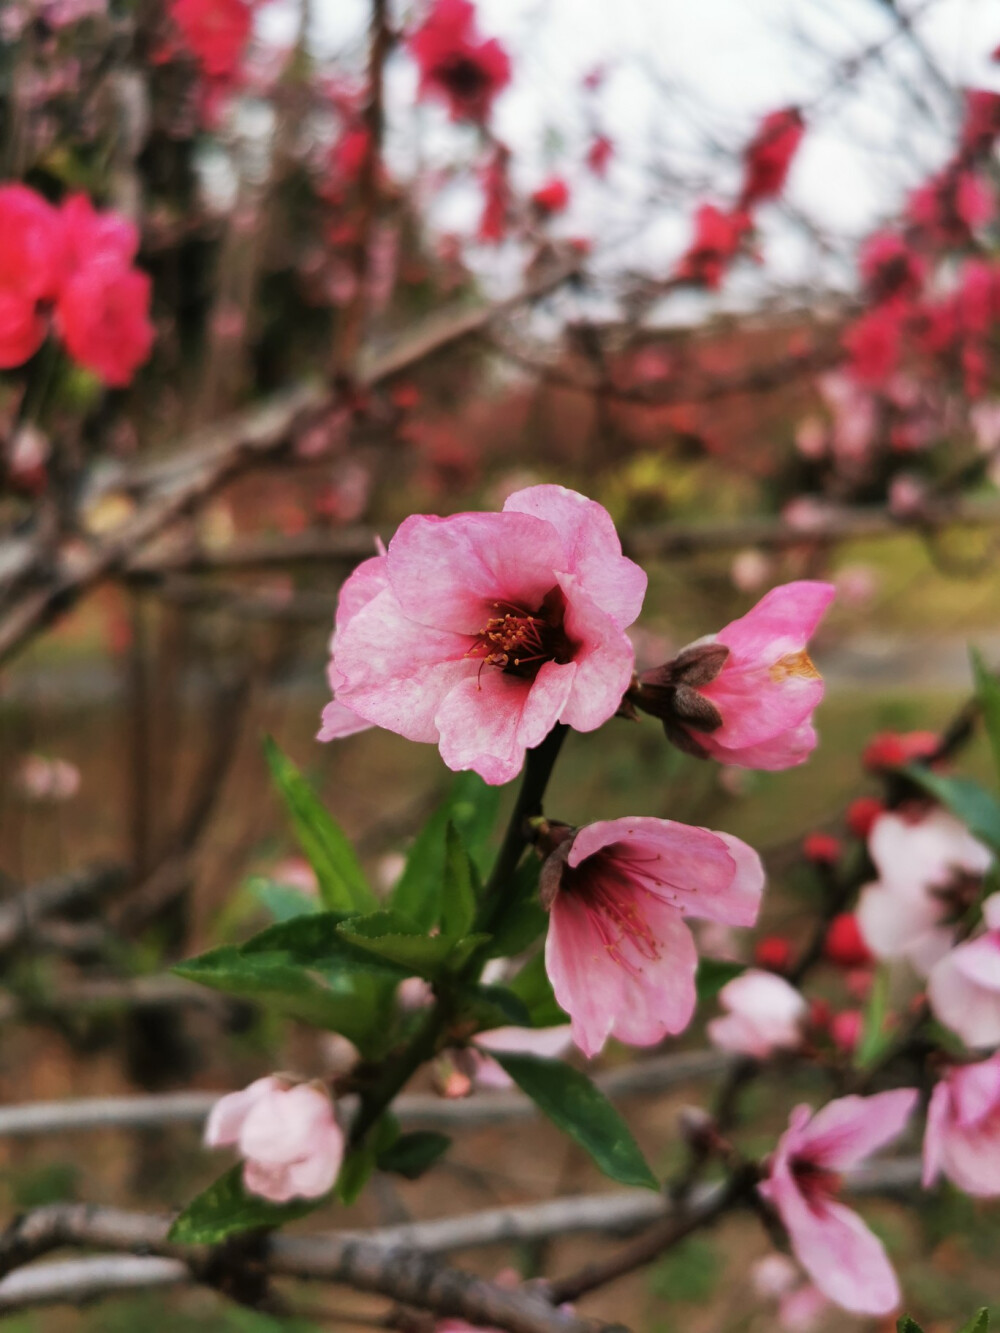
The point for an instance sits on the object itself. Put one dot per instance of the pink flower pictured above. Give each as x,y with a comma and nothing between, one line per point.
718,239
845,1260
30,266
497,197
874,342
287,1135
768,156
550,1043
927,869
618,954
890,267
964,986
766,1014
456,65
746,695
215,31
599,154
800,1305
552,197
962,1138
479,632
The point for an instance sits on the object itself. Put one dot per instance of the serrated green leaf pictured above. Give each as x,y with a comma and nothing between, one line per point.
315,942
988,694
572,1102
413,1154
458,890
520,919
471,806
390,935
979,1323
969,802
534,990
713,974
342,882
226,1208
282,901
907,1325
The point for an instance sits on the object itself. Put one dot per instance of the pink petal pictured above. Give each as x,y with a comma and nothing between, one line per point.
975,1091
765,1014
449,572
489,720
593,550
604,660
787,750
363,585
979,960
896,924
963,1006
269,1182
991,912
394,672
783,621
938,1116
227,1116
550,1043
846,1131
339,721
284,1126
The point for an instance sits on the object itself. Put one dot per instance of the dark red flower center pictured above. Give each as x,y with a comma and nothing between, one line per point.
520,642
464,76
815,1182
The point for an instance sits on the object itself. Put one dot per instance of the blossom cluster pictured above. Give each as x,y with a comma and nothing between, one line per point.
72,270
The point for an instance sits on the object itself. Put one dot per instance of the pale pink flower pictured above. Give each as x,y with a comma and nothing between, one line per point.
925,868
752,704
619,956
855,418
801,1306
286,1134
550,1043
845,1260
750,570
962,1138
479,632
964,986
297,873
42,779
765,1014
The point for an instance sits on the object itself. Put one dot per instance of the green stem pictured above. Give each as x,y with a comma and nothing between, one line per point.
399,1070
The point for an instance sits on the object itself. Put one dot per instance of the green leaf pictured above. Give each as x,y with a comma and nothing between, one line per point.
390,935
874,1037
979,1323
977,808
713,974
493,1007
988,693
342,882
226,1208
572,1102
471,806
908,1325
315,942
282,901
413,1154
458,894
534,990
521,918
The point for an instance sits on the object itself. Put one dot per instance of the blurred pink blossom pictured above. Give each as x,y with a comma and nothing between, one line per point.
964,986
962,1139
764,1014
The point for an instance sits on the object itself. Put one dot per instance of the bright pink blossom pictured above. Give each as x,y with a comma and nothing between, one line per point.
286,1134
599,154
964,986
456,64
215,31
766,690
950,207
479,632
619,956
764,1014
981,126
718,239
30,267
890,267
552,197
768,156
845,1260
497,196
962,1139
874,342
927,868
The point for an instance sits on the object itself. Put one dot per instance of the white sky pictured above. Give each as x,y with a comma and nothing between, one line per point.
686,82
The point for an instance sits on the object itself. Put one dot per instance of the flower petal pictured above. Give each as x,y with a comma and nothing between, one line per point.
846,1131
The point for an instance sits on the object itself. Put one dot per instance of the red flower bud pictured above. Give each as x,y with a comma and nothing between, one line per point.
862,814
773,952
822,848
844,944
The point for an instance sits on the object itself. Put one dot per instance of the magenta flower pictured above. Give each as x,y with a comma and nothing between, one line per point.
964,986
929,874
746,695
962,1138
765,1013
287,1135
845,1260
620,958
479,632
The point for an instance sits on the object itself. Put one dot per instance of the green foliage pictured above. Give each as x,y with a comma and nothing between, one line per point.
413,1154
979,1323
342,882
712,975
520,918
689,1272
908,1325
988,694
281,901
471,809
977,808
875,1038
390,935
572,1102
226,1209
533,988
493,1007
458,888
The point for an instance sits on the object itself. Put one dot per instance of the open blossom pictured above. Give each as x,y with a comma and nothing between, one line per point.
479,632
30,269
890,267
844,1259
768,157
765,1014
618,953
929,873
215,31
718,239
746,695
962,1139
286,1134
964,985
456,64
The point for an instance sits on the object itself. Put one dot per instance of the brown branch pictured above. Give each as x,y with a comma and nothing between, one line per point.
71,892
